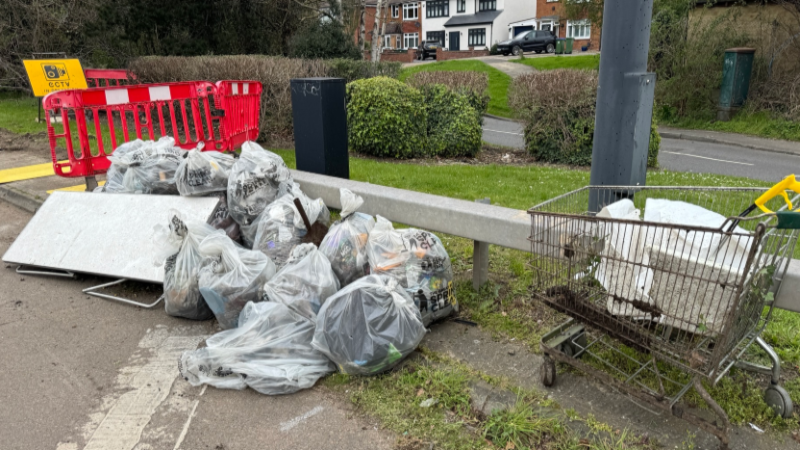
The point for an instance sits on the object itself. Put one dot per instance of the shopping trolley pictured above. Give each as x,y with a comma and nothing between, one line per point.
657,308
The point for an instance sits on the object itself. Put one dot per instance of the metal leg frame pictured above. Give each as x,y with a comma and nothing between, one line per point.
42,271
774,371
92,291
721,432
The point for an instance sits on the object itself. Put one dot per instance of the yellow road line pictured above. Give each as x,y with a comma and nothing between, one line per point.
26,173
78,188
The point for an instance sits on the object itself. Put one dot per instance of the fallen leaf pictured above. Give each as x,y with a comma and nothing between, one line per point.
420,392
796,436
510,445
428,382
584,443
504,313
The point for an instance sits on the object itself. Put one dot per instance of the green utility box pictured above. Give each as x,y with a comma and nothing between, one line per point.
559,46
736,71
568,43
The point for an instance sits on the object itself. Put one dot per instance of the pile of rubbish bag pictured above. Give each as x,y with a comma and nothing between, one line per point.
291,312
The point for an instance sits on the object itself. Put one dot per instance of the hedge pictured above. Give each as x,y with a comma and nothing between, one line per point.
557,108
475,85
273,72
386,118
454,128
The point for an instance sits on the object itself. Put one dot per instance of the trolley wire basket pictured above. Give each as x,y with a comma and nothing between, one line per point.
657,305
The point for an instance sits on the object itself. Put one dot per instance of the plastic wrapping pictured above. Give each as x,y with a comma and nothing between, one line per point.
221,219
419,262
270,352
345,245
231,276
369,326
115,175
150,168
203,173
305,283
279,228
254,182
177,248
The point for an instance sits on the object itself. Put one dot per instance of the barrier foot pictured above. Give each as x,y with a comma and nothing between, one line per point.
91,183
92,291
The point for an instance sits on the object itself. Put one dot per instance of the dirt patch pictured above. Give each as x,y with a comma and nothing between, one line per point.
37,143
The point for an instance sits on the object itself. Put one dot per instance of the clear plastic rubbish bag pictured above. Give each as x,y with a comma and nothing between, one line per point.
231,276
177,248
418,261
254,181
280,228
115,175
151,167
221,219
345,245
270,352
369,326
305,284
202,173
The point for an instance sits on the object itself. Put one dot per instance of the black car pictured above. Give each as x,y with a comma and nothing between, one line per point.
528,41
426,49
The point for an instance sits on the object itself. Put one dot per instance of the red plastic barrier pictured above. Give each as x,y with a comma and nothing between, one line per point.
241,101
183,110
107,77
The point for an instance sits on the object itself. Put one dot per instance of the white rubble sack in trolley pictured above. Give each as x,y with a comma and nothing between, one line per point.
254,182
280,228
270,352
203,173
304,283
178,249
369,326
655,265
231,276
418,260
345,245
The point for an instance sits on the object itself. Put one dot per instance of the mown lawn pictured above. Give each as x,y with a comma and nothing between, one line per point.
18,113
760,124
498,81
562,62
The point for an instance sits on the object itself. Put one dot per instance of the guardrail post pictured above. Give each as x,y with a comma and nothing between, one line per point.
480,258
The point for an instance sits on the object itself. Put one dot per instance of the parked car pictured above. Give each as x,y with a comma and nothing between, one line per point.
426,49
529,41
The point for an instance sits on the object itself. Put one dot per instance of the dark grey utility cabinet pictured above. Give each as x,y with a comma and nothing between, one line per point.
320,126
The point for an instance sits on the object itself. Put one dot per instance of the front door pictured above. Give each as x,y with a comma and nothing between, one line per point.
455,45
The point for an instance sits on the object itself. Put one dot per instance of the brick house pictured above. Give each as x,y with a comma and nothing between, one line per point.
551,15
403,24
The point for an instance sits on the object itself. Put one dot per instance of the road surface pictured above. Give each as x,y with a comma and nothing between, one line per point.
681,155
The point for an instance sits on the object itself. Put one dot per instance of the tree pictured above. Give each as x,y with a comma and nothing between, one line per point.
377,38
324,39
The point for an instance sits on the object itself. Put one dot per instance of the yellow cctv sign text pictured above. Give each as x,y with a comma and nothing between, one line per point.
50,75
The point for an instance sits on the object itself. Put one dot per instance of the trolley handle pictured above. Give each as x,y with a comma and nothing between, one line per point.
789,182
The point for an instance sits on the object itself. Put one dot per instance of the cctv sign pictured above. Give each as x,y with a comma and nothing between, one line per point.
50,75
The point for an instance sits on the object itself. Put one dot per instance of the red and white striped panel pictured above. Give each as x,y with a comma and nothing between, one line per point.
136,94
235,88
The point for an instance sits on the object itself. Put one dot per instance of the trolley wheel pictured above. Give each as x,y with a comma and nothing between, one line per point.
549,371
778,399
567,349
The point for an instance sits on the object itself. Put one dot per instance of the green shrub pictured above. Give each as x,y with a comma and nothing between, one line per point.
557,108
274,73
386,118
324,40
454,128
474,85
493,50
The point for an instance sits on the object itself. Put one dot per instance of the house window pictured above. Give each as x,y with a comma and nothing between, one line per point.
477,36
462,5
410,11
551,1
579,29
411,40
387,41
395,11
434,36
487,5
438,8
546,26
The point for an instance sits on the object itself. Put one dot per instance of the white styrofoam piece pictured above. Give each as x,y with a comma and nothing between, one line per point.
101,234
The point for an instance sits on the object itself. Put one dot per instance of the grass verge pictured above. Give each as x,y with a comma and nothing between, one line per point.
760,124
18,113
562,62
498,81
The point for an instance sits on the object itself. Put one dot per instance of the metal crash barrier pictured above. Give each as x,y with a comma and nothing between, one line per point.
218,115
